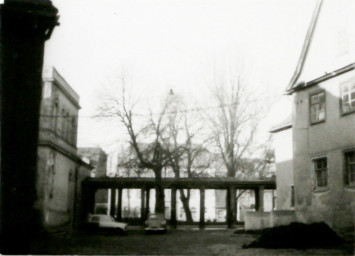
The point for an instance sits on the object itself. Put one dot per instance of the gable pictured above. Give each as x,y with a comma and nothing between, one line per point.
331,46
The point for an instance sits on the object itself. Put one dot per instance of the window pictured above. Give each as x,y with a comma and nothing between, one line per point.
350,168
320,167
348,97
67,127
62,119
55,115
73,130
317,107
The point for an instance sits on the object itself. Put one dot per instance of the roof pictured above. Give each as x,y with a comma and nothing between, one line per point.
284,125
305,48
207,183
50,74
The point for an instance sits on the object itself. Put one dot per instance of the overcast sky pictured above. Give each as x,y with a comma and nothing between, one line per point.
166,44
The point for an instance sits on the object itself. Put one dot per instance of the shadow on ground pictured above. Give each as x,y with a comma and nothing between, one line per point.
175,242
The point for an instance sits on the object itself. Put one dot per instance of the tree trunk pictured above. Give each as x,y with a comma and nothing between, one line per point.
159,192
185,203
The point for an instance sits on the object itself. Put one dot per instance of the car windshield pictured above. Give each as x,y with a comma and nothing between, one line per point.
106,218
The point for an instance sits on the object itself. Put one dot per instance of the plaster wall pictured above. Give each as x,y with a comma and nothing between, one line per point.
284,169
257,220
262,220
335,203
55,186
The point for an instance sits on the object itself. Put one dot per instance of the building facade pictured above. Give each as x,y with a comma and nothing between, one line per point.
283,146
60,170
323,89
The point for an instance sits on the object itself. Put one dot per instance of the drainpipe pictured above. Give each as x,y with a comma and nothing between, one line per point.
75,211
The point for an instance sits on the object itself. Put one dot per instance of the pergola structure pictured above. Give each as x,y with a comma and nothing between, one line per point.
91,185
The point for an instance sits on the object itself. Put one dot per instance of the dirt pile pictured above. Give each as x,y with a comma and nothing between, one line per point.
297,235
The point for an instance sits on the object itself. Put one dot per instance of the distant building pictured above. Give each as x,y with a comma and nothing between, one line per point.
323,90
97,158
60,170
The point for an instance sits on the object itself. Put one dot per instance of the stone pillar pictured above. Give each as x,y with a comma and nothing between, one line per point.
202,208
113,202
173,208
25,26
87,203
259,199
119,205
229,209
91,201
147,202
256,198
233,206
142,205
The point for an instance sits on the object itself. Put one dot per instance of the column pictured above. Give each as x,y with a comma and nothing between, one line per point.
25,26
202,208
112,202
119,205
147,202
229,208
233,206
256,195
142,205
259,199
173,208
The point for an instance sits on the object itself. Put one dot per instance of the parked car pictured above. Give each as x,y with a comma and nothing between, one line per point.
98,222
155,223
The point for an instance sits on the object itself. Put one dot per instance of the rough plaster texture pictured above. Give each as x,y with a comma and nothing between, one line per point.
57,183
262,220
257,220
333,204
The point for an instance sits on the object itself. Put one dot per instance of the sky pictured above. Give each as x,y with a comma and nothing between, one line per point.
175,44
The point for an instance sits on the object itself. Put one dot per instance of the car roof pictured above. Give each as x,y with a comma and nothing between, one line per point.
156,214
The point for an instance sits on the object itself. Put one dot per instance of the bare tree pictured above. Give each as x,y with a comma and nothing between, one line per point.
234,123
188,154
148,155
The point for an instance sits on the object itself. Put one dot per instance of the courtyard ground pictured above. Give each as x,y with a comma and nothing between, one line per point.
175,242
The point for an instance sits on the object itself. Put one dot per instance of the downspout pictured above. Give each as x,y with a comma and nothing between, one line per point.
75,211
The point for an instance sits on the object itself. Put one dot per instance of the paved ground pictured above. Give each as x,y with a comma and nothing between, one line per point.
175,242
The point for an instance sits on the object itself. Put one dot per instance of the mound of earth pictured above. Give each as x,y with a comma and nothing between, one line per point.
297,235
